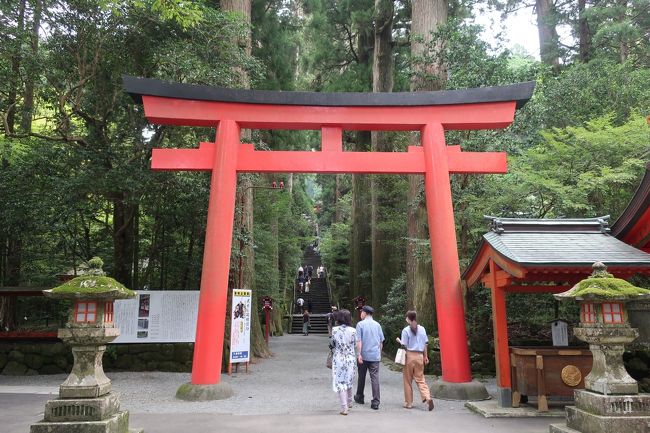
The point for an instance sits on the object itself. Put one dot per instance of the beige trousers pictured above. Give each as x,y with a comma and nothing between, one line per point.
414,370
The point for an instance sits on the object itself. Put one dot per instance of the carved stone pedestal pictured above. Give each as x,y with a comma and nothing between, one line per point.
597,413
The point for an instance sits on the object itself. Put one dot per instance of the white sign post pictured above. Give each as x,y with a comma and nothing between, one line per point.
240,326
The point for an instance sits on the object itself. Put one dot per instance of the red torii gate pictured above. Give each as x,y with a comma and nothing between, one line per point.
230,110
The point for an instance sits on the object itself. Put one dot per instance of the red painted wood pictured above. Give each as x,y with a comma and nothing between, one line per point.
329,161
639,235
536,289
332,139
454,355
500,329
184,112
227,157
210,325
29,335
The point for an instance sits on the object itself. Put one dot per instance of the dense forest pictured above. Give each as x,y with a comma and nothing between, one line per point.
75,180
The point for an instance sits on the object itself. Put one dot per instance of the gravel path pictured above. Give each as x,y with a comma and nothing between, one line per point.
290,392
294,381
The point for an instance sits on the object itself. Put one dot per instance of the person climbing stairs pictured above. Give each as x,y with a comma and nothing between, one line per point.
318,297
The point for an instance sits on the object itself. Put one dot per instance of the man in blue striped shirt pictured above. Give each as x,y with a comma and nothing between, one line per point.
370,339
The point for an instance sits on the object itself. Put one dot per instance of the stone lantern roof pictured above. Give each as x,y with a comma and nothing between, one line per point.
603,286
94,285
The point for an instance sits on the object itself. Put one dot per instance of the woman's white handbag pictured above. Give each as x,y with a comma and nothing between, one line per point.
400,358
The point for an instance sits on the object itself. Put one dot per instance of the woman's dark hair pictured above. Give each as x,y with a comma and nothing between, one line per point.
413,317
344,317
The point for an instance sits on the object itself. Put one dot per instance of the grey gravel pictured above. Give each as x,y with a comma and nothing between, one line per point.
290,392
293,381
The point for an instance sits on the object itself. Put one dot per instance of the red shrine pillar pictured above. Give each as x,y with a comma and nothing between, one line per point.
213,297
444,253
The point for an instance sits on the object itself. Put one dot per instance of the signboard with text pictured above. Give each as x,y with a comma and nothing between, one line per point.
240,326
167,316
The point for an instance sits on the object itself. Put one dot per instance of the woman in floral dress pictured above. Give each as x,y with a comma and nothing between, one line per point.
344,359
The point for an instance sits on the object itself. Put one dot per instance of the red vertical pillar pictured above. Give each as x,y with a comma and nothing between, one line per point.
444,253
501,349
208,347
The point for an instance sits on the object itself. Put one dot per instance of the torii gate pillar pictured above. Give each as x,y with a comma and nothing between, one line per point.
429,112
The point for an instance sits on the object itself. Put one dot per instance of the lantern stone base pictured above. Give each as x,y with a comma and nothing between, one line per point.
84,415
472,391
191,392
82,409
118,423
597,413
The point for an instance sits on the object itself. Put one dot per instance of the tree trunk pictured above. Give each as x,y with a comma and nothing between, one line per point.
337,199
584,33
16,58
28,99
360,249
188,257
14,249
135,283
624,45
123,231
360,265
258,344
383,256
546,28
427,16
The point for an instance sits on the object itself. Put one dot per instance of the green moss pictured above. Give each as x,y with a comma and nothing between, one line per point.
89,285
608,287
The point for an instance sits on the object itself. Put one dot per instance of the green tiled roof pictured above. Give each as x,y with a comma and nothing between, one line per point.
561,242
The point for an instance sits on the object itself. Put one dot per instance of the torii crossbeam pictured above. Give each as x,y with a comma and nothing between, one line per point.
229,110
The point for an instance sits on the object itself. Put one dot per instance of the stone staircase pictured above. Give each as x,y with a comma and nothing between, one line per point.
318,295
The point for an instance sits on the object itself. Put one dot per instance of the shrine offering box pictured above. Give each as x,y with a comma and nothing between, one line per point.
547,372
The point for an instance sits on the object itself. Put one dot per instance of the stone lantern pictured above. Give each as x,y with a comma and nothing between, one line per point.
86,402
610,401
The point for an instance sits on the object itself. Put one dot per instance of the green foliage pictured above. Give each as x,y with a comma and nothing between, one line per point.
334,248
577,171
392,320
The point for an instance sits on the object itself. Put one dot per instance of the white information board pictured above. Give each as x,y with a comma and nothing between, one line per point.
240,326
560,333
167,316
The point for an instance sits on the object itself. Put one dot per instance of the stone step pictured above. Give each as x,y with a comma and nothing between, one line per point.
583,421
561,428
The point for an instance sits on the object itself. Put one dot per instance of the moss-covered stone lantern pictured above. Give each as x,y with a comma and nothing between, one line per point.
611,400
86,403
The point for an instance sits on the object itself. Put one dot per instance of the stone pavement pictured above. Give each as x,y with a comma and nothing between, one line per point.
290,392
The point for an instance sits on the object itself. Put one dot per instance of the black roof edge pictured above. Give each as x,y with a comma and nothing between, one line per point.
138,87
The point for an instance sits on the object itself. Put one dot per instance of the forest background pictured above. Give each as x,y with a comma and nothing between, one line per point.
75,150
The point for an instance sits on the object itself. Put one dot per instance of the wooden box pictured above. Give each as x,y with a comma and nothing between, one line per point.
547,372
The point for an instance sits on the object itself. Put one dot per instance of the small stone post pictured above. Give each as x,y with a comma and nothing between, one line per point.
86,402
610,401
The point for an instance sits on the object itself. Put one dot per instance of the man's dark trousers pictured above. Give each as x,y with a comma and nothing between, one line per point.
373,368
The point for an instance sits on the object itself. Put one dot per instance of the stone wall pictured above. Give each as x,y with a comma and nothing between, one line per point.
53,357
